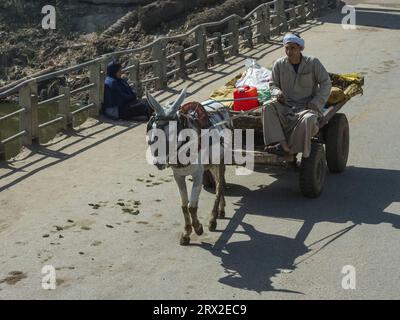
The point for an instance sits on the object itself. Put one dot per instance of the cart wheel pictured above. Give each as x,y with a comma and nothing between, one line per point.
337,139
313,172
208,180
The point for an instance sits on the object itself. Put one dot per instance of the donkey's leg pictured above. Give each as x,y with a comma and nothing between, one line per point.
194,200
180,181
185,237
214,213
222,203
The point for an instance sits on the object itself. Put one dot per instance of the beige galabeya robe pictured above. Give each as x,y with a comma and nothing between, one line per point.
290,121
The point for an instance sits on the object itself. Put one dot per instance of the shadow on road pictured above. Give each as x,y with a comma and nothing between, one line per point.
59,155
358,196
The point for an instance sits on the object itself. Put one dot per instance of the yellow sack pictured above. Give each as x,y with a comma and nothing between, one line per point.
337,96
226,92
350,83
223,93
343,81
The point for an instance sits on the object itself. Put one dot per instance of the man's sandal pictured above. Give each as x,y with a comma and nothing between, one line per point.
276,149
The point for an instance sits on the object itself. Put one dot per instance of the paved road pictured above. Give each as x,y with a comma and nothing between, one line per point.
274,244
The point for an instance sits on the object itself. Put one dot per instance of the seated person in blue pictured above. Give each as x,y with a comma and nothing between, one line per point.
120,100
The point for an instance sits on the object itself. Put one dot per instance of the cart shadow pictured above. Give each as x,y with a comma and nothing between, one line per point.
358,196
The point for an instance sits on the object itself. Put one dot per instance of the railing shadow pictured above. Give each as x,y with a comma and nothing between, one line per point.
358,196
58,154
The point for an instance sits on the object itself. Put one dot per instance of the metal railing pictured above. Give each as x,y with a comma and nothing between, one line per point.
265,21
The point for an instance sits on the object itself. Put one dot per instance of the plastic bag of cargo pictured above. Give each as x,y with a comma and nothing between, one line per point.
255,76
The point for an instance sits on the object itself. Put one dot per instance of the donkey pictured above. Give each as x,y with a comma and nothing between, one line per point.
161,120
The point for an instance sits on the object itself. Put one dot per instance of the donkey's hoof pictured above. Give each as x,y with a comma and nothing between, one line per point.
213,226
199,229
185,240
221,214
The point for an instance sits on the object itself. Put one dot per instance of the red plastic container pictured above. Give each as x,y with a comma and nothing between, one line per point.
245,105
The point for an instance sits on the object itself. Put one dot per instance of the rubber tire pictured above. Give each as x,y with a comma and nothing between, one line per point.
313,172
208,180
337,140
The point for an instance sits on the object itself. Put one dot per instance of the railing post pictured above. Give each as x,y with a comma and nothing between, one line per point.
220,57
201,40
96,93
28,99
302,11
274,22
316,8
267,18
280,11
103,75
134,75
310,7
263,26
2,148
233,27
159,54
64,107
293,17
181,63
248,35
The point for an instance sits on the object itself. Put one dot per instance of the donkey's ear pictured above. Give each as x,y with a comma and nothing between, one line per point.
177,104
159,110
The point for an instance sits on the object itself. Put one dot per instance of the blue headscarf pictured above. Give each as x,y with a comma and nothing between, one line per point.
112,68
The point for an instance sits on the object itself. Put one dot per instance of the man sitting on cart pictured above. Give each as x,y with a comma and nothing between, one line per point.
302,86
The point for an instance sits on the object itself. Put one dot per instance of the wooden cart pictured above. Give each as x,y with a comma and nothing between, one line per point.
330,147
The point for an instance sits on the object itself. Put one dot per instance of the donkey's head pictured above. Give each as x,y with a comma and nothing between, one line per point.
165,121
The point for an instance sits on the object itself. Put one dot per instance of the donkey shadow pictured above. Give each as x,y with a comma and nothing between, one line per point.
358,196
